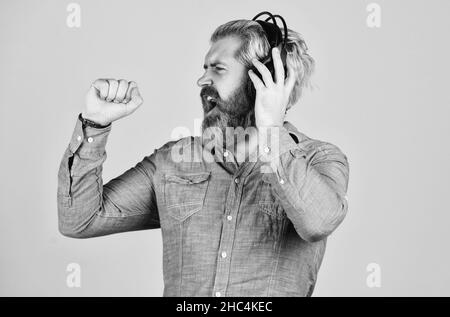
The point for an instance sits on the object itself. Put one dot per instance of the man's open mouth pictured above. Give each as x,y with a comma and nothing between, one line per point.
211,100
211,103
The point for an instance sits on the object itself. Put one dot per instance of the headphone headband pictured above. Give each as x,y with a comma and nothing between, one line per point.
275,38
273,32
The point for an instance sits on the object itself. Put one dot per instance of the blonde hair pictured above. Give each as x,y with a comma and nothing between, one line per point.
255,45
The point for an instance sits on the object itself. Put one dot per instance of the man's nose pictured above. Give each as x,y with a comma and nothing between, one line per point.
205,80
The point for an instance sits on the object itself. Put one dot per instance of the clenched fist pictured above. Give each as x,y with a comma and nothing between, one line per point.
110,99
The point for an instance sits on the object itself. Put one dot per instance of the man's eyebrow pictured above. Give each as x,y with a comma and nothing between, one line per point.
214,64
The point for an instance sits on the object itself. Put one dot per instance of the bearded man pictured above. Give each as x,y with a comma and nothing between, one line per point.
251,221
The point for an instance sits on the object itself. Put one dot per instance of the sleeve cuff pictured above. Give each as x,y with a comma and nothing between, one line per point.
88,140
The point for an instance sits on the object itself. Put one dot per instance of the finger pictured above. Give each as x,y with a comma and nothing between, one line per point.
101,85
278,64
113,85
131,85
135,102
257,82
291,78
121,91
266,75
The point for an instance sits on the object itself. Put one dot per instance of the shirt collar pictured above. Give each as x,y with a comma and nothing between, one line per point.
295,134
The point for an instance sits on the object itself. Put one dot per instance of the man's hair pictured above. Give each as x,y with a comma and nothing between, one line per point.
255,45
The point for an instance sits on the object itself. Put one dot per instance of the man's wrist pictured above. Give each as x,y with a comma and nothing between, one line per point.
92,124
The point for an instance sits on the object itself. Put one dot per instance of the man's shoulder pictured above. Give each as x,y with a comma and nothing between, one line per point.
179,143
177,150
311,145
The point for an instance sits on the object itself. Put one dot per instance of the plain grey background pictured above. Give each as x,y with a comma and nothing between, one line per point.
380,94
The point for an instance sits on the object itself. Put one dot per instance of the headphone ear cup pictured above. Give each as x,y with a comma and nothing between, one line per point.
283,55
267,61
270,67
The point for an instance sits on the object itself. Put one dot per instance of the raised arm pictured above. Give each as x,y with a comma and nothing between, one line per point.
86,207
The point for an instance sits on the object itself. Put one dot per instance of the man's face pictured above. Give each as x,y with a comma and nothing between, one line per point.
225,92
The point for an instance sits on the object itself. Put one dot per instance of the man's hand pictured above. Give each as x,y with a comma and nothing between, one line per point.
272,97
109,100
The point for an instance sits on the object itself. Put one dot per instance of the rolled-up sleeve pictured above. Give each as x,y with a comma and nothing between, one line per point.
311,181
86,207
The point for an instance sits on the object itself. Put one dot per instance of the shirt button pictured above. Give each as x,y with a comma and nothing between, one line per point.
229,217
217,294
266,149
225,153
90,140
224,254
236,180
79,138
281,181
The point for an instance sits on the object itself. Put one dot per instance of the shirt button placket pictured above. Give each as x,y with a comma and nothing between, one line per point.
223,269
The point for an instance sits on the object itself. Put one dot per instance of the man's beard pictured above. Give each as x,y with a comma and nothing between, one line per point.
237,111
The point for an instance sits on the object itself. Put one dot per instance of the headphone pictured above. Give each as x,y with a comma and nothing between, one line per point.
275,39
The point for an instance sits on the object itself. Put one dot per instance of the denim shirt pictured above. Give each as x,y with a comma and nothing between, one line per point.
227,229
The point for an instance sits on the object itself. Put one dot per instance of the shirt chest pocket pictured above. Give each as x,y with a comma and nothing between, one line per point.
268,202
184,194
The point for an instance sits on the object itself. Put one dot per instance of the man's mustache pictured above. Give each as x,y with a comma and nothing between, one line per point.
238,104
209,91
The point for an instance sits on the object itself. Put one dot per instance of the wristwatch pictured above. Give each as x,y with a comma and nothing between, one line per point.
92,124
